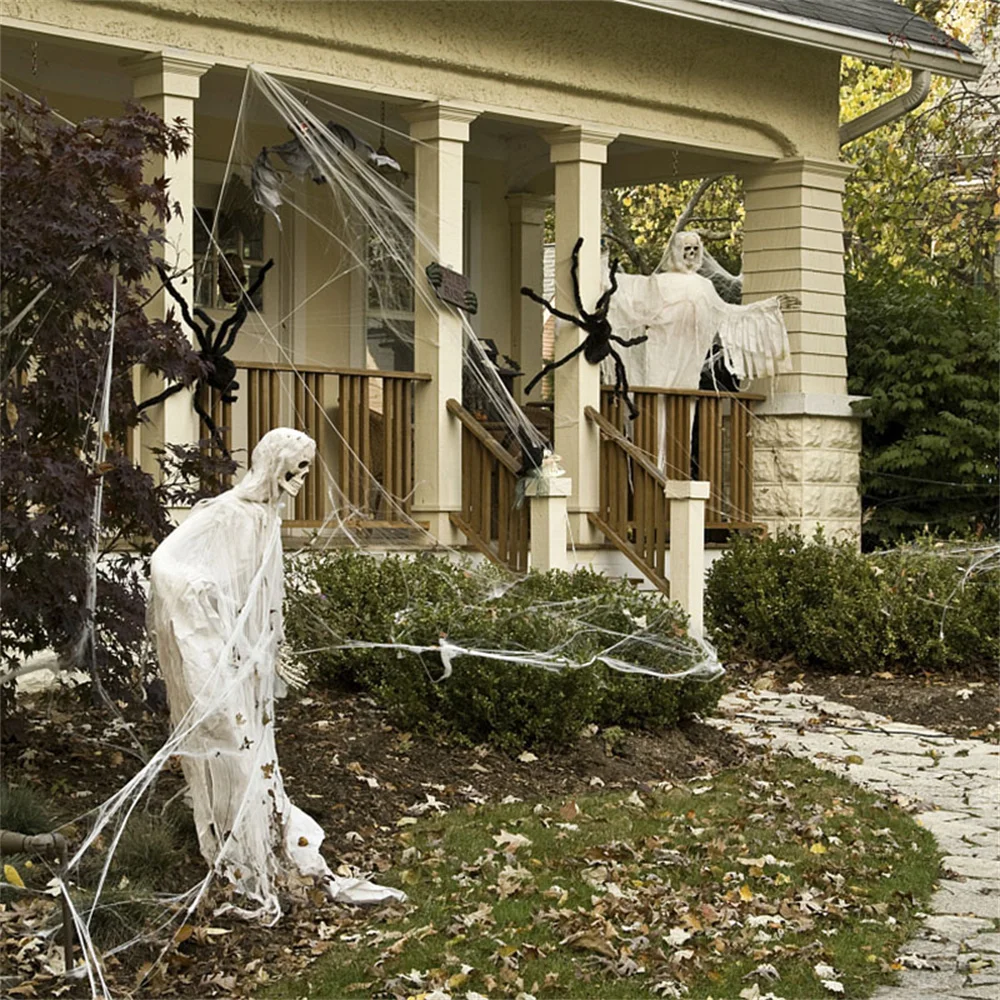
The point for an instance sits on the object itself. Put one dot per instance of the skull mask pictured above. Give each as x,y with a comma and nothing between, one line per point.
687,253
293,479
279,465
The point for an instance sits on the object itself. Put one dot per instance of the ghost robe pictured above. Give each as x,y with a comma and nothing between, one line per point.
216,588
681,313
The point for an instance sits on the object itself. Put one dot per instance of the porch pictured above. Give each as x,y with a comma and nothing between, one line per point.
378,383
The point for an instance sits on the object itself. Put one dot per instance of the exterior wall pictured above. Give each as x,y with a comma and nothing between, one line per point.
806,473
642,71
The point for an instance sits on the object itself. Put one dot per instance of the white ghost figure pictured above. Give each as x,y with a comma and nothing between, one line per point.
682,313
215,609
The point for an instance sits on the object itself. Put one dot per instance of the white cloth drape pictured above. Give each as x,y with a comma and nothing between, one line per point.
682,313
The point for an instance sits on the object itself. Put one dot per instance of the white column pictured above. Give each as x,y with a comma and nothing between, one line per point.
687,548
442,131
578,155
169,85
548,522
807,441
527,268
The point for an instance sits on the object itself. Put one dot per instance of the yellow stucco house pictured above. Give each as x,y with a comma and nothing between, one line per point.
518,106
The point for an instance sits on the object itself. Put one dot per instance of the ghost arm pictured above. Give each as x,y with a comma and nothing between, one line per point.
754,337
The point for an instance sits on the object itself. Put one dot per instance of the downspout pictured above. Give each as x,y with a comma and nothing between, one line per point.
920,87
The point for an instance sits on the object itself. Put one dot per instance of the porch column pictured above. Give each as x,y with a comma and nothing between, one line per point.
442,131
578,155
169,85
687,548
807,441
527,250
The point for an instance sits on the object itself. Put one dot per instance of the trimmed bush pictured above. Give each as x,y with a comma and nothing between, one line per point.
826,605
576,616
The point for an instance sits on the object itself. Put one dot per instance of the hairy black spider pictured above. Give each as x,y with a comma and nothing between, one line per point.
221,373
598,343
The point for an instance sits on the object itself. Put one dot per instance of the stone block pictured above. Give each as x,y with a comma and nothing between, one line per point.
962,899
953,928
830,501
778,433
828,466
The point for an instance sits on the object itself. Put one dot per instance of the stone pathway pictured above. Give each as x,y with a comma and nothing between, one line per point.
952,786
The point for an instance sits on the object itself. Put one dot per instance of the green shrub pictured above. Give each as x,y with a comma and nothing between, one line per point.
575,617
24,810
826,605
938,615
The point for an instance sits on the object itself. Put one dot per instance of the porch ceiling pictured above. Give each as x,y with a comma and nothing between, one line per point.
74,75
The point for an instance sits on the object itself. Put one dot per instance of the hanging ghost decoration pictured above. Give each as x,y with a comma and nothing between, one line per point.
682,313
215,611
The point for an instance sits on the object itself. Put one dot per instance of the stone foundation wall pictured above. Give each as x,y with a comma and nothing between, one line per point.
807,472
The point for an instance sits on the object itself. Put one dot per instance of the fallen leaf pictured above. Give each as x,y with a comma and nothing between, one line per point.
817,848
11,874
510,842
527,757
590,941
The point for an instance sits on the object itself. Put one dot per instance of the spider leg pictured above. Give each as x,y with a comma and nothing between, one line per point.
605,299
213,430
535,297
209,325
574,271
630,343
621,384
230,327
176,296
553,365
159,397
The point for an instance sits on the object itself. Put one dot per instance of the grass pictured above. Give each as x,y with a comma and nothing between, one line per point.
777,867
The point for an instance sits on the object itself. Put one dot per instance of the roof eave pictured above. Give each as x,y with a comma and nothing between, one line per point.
868,46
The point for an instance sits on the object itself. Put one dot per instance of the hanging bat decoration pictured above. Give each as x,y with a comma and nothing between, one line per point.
299,156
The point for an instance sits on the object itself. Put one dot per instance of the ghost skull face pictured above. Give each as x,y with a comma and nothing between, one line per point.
689,252
293,479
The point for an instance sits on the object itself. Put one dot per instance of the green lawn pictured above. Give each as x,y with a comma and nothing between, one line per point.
776,867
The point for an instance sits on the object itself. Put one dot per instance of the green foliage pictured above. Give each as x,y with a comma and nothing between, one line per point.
927,357
148,852
336,600
825,605
24,810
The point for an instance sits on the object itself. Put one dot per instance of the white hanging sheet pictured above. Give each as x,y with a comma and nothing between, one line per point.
681,314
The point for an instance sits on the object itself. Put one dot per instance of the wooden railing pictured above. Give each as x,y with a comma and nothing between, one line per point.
634,514
690,434
361,421
490,518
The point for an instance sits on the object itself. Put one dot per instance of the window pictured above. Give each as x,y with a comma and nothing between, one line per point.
238,249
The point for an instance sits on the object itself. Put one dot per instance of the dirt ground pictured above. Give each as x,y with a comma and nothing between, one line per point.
359,776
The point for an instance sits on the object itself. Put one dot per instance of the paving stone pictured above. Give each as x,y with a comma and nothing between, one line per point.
962,899
923,983
988,943
973,868
956,928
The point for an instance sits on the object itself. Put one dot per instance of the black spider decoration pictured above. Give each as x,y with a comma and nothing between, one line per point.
221,372
598,343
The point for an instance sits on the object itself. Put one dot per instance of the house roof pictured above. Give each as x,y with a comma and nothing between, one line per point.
875,30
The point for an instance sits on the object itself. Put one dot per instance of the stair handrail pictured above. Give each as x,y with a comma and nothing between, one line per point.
611,432
484,437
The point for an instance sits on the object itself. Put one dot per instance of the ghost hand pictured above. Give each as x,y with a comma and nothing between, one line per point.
291,670
789,301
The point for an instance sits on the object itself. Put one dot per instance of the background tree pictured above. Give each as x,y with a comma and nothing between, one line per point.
76,210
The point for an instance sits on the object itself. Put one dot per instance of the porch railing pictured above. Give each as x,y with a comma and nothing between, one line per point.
372,412
490,518
686,434
635,513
